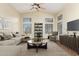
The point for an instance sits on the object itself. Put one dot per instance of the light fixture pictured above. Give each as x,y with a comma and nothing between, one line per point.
35,7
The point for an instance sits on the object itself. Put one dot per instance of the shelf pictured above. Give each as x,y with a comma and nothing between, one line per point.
38,28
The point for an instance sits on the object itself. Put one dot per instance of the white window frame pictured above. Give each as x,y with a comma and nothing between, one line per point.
48,23
27,23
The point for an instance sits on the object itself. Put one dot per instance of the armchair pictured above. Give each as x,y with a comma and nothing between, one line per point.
53,37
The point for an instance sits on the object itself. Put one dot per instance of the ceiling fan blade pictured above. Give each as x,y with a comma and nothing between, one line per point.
42,8
36,6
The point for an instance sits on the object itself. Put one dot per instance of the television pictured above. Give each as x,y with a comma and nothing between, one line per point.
73,25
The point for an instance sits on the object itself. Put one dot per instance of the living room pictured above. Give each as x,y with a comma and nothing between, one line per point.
19,23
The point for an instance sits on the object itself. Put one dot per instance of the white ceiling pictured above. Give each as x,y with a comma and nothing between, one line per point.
47,7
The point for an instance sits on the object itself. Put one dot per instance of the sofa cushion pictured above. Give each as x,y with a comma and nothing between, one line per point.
12,41
7,37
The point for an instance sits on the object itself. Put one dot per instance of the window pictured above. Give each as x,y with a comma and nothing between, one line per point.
49,20
27,25
48,28
48,25
59,27
8,24
0,23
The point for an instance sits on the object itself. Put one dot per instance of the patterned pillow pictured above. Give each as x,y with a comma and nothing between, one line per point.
7,36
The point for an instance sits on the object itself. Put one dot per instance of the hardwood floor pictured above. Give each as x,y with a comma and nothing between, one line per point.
70,51
54,49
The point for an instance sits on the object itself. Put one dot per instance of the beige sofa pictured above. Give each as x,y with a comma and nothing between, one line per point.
12,41
9,39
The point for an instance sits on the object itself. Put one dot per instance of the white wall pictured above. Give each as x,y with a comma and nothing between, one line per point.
70,13
7,12
38,17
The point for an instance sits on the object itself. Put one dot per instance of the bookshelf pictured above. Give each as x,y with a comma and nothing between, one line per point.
38,28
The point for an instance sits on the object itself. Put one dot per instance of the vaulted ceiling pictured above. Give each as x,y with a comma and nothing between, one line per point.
46,7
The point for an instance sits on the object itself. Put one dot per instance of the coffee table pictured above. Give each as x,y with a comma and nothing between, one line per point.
36,45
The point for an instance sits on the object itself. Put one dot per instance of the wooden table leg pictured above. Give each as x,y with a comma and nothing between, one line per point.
36,49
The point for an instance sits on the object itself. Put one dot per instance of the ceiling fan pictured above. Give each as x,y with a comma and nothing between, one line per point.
36,6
